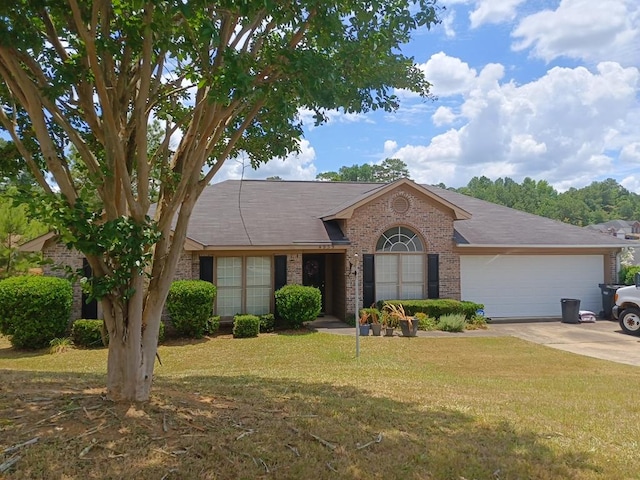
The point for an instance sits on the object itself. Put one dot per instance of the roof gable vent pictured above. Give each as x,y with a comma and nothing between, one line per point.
400,204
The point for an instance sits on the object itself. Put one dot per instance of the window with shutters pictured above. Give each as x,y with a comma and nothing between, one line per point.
243,285
399,265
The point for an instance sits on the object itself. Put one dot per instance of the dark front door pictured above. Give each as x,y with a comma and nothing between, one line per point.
89,310
313,271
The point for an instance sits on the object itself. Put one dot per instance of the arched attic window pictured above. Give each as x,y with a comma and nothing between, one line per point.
399,239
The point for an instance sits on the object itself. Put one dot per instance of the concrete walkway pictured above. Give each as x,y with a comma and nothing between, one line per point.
603,339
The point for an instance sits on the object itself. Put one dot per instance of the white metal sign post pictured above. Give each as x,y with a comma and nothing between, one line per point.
357,295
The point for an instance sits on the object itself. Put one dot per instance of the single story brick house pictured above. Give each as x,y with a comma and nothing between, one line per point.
409,241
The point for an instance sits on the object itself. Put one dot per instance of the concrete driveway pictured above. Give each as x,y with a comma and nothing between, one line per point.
603,339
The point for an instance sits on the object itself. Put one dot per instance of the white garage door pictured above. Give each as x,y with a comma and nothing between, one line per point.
531,285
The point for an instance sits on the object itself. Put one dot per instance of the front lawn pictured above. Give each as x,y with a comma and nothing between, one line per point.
301,406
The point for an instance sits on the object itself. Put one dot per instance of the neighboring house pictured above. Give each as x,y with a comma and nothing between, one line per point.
618,228
410,241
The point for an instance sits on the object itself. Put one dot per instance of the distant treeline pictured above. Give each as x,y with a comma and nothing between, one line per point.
595,203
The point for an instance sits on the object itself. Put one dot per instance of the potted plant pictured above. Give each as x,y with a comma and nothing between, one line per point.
364,323
408,324
388,322
373,316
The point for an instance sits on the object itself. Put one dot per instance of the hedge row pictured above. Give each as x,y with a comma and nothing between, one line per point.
89,334
437,307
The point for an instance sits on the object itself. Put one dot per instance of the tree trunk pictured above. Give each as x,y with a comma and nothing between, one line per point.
134,328
132,347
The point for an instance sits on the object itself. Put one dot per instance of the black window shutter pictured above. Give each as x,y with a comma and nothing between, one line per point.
206,268
89,310
280,274
368,280
433,275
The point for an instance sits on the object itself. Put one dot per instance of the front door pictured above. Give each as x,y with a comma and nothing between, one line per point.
313,271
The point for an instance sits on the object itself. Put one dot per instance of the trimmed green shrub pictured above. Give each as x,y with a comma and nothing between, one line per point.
34,310
297,304
350,319
267,323
628,274
88,334
213,325
425,322
190,304
436,307
452,323
246,326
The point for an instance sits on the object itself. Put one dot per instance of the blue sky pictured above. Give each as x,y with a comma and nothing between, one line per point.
542,89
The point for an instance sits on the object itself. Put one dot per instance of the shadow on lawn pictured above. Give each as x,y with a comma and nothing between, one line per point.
12,353
250,427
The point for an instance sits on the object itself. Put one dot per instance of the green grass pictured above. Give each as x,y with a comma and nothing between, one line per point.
298,406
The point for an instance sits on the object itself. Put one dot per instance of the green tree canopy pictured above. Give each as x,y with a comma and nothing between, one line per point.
223,77
598,202
389,170
16,228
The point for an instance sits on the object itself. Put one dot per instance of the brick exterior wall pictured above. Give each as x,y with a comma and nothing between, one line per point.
188,267
611,268
294,268
184,270
61,255
433,223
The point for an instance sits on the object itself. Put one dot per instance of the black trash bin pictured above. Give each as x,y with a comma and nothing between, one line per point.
608,294
570,310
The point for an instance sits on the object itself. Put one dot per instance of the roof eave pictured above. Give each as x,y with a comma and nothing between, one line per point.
37,244
549,246
297,246
347,213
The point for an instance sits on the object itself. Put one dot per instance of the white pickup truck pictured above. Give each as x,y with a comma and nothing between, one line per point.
627,307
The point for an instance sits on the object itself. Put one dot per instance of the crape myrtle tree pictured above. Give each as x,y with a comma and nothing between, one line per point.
224,78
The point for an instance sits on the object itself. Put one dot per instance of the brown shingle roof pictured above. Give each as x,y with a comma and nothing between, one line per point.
273,213
493,224
282,213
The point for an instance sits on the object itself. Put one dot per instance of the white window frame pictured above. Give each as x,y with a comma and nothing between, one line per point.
244,291
400,272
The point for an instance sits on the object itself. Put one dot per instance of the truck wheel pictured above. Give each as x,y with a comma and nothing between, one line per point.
630,321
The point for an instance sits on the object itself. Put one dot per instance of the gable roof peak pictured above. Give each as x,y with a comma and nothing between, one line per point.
346,210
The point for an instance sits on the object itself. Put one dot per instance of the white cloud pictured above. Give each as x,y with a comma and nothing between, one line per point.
448,75
567,127
443,116
390,146
493,11
333,117
631,153
298,166
447,24
526,146
433,163
631,183
591,30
